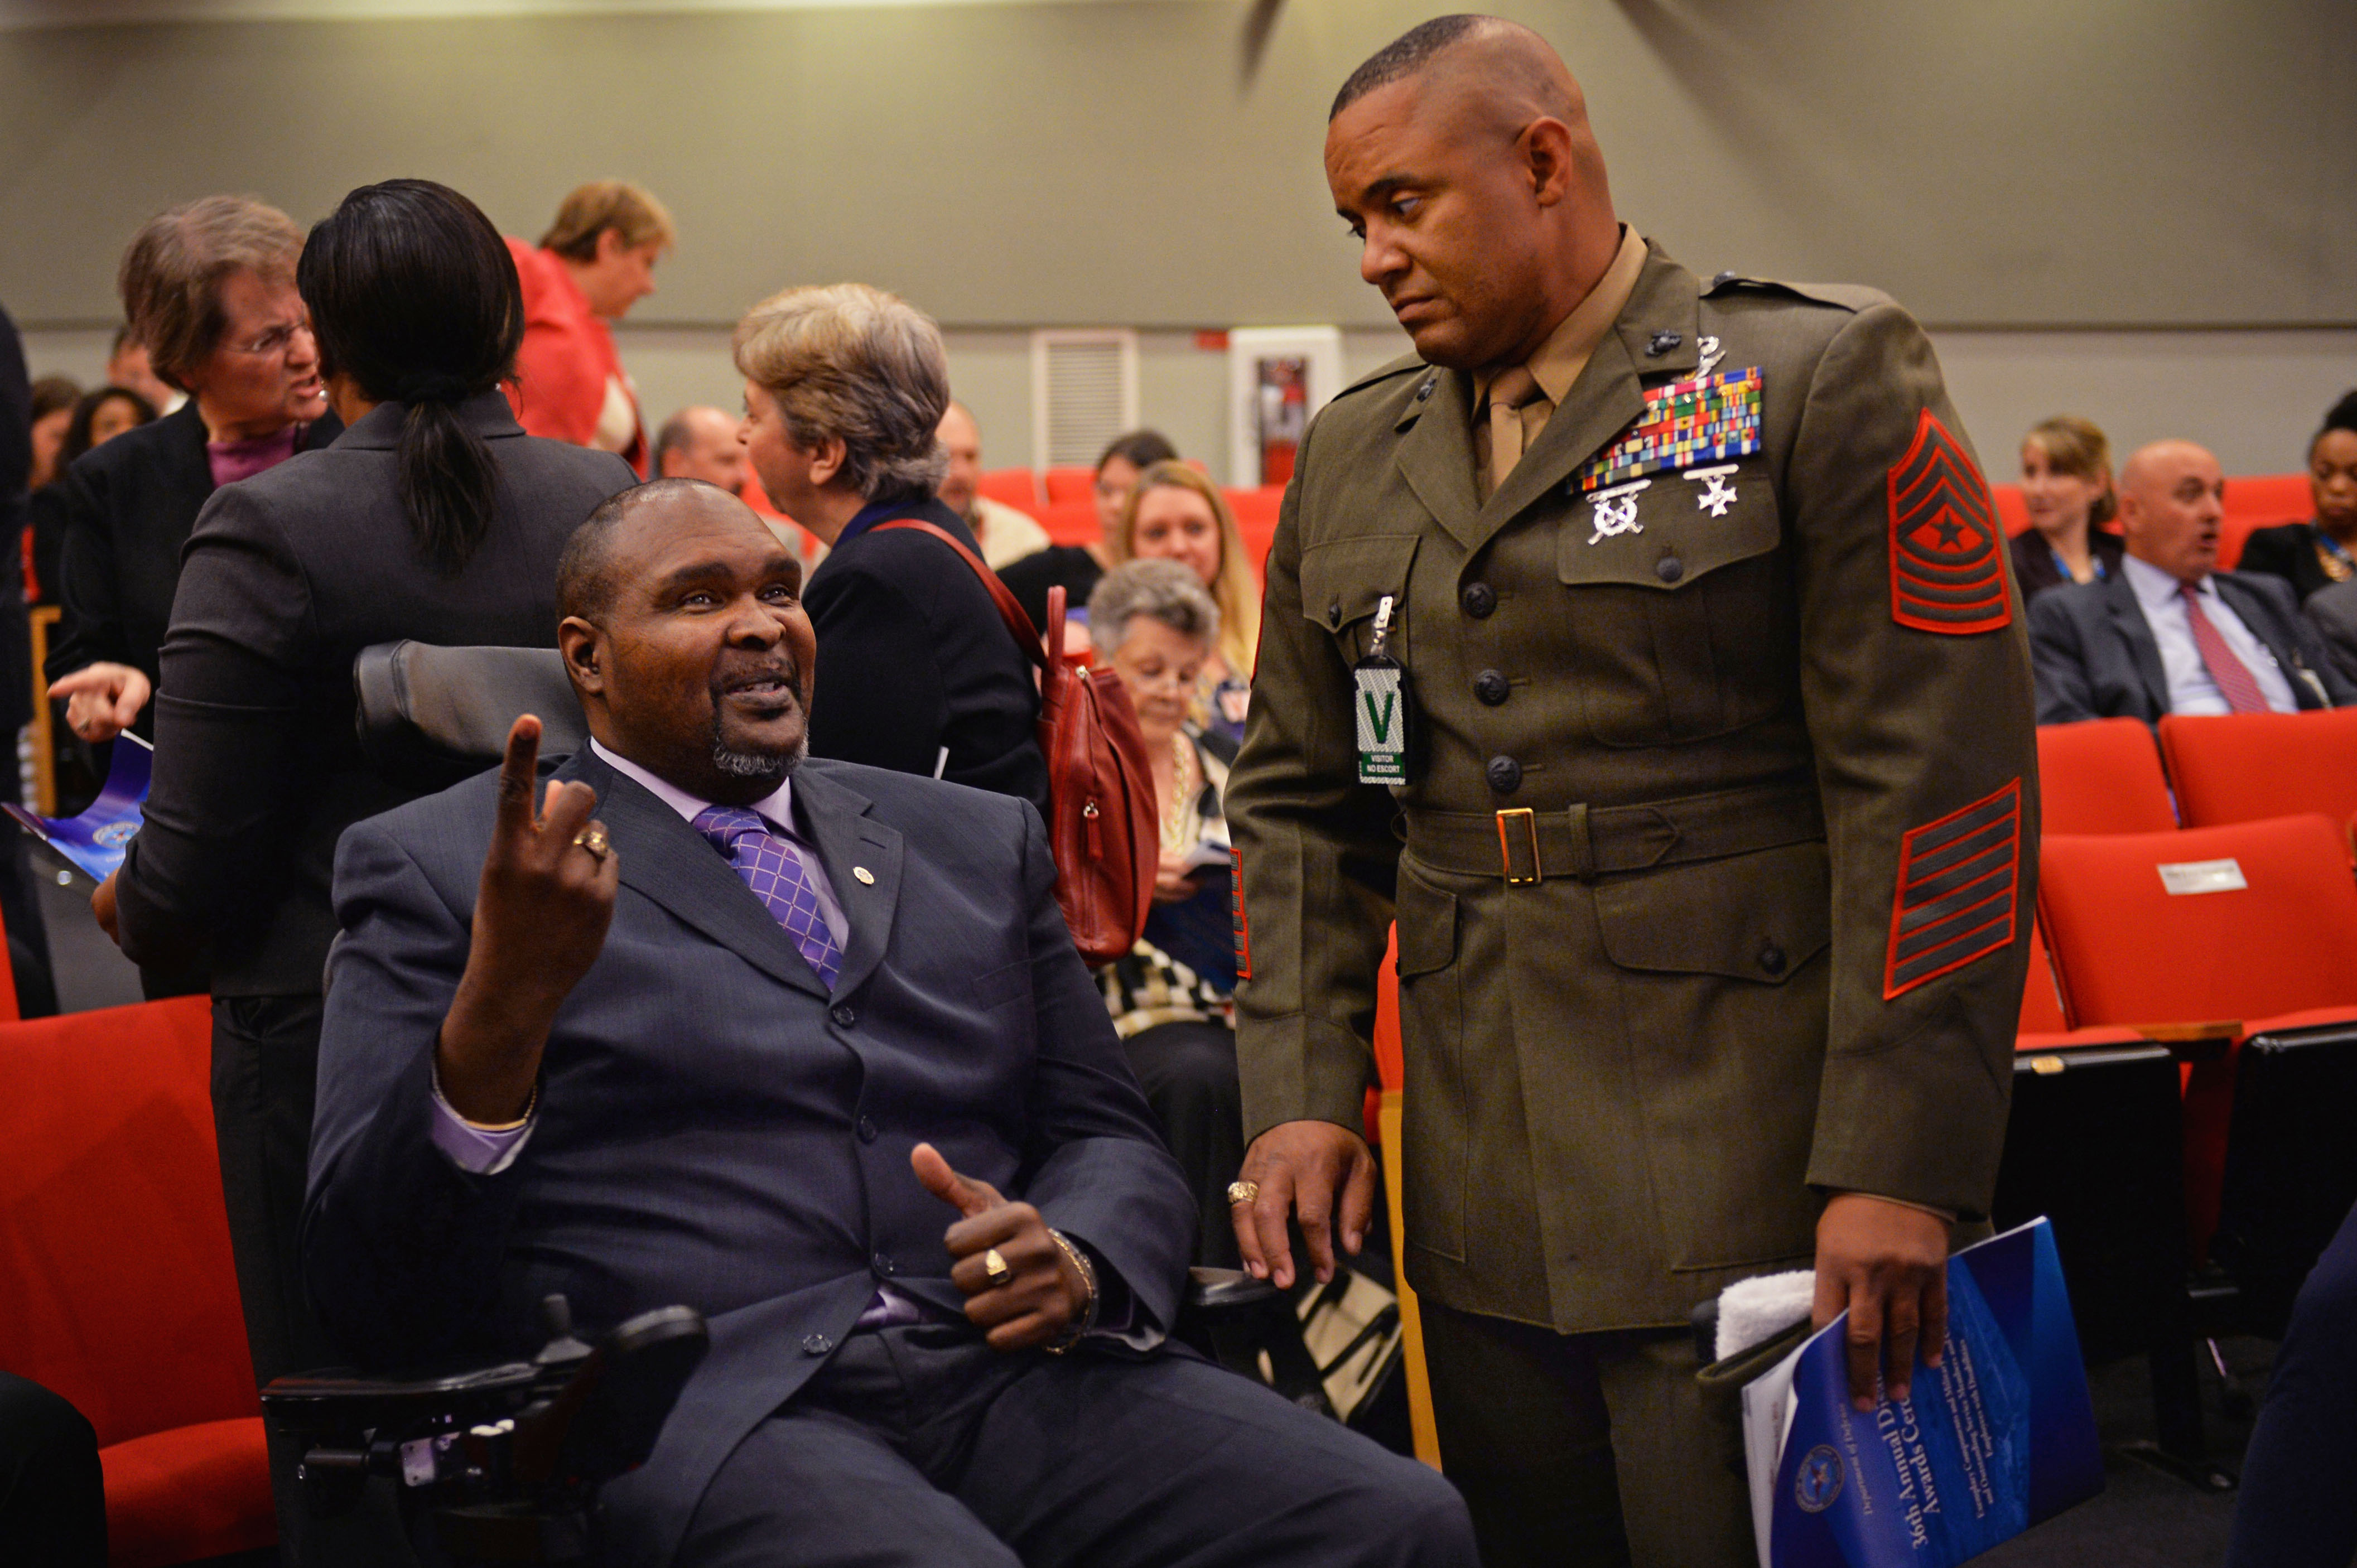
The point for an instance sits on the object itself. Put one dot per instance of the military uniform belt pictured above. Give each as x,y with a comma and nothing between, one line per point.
1526,845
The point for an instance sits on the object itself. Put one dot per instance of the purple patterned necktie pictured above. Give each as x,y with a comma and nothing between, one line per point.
769,866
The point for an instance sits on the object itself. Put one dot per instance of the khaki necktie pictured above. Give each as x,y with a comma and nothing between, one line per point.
1510,395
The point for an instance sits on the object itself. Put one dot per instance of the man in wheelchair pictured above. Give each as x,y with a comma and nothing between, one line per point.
804,1046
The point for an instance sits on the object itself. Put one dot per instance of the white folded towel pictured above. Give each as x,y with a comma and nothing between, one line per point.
1757,1309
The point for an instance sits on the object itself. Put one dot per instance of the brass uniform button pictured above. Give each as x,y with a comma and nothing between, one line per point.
1479,599
1491,687
1505,775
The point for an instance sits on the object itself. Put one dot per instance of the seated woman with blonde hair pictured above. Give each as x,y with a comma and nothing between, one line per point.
2066,483
1177,514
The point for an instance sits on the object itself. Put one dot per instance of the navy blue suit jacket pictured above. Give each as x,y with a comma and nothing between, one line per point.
715,1128
2095,656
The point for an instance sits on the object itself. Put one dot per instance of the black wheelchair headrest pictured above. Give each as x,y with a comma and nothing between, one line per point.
429,716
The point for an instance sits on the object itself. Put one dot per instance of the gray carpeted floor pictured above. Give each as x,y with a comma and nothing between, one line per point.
2145,1519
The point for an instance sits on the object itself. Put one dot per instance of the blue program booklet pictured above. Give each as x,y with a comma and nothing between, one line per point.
1997,1437
95,840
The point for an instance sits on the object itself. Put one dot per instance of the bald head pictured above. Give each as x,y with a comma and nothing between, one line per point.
2172,501
1462,157
699,443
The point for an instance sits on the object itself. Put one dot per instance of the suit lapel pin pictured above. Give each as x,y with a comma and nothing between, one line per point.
1661,343
1718,494
1616,511
866,877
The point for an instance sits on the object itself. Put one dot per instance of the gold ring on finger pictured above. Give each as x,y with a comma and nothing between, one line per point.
994,1267
1243,1192
593,839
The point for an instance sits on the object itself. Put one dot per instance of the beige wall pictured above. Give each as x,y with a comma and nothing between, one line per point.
2135,209
1993,163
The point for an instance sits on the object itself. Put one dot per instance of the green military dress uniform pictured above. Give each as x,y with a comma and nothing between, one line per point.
1714,874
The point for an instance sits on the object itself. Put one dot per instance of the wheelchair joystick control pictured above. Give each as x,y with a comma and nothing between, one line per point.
497,1464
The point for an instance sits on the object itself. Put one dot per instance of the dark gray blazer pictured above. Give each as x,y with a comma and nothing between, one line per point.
2094,655
2332,611
716,1128
286,576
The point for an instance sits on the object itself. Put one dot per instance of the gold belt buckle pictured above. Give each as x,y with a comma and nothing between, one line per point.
1506,851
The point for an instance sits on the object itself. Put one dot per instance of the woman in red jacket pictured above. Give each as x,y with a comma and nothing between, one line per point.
596,262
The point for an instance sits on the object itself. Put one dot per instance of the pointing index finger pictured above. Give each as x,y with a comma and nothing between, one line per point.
516,774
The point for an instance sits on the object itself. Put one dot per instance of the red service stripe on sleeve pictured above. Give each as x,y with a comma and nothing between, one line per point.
1236,916
1959,879
1947,553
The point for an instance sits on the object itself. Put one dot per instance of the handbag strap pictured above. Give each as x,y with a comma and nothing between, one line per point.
1018,621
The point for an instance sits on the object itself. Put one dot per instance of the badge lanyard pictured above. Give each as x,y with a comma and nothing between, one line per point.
1381,693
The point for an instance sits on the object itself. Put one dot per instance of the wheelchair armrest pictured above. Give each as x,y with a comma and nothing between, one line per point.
1221,1292
522,1447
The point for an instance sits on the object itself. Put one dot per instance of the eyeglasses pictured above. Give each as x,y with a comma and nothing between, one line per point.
276,341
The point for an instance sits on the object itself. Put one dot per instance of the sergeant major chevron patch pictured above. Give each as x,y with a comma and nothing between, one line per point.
1947,553
1958,881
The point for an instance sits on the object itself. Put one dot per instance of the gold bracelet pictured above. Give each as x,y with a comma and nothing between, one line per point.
529,1107
1074,1331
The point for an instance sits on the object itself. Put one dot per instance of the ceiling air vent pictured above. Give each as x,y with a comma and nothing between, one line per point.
1083,394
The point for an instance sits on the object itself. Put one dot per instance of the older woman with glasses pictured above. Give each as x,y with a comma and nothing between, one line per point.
209,289
435,518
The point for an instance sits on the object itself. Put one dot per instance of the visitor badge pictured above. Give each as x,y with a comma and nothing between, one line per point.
1380,690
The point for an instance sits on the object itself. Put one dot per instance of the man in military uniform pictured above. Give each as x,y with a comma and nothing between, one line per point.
1718,802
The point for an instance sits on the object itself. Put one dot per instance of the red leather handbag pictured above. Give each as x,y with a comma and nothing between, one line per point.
1103,827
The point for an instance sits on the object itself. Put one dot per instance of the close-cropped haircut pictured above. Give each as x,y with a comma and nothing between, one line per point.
860,365
1403,56
1163,591
587,211
2077,447
585,580
414,295
172,272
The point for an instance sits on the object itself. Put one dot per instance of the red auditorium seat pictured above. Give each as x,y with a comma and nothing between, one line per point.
2276,953
1070,485
2259,500
1071,522
2101,776
2010,509
1017,487
1255,512
2240,767
116,1288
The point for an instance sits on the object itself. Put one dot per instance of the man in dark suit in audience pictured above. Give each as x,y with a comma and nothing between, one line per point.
2167,633
771,1039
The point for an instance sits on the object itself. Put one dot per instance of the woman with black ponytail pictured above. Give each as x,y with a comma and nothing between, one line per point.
434,517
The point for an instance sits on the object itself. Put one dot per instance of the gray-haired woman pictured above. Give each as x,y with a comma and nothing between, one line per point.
844,388
1156,625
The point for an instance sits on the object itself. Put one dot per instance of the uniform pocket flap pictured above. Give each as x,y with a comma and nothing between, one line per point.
1342,579
1427,925
1671,529
1757,917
